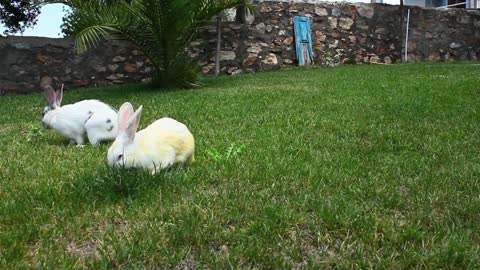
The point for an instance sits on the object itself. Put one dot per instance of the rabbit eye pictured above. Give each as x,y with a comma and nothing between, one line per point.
120,157
45,111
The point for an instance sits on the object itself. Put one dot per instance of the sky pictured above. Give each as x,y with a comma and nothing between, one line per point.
50,19
48,24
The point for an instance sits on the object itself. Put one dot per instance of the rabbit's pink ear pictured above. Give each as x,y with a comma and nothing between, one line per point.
50,97
59,96
125,112
132,124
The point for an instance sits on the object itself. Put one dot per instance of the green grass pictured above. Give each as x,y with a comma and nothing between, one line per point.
350,167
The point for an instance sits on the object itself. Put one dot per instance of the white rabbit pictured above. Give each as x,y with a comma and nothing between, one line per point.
158,146
95,118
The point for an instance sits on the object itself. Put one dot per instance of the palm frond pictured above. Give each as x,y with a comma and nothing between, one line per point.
91,36
162,29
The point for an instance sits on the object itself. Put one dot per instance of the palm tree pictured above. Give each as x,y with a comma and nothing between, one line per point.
162,29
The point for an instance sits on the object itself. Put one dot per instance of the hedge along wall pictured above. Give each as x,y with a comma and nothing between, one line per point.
341,33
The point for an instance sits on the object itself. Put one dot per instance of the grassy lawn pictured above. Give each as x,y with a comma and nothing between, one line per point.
349,167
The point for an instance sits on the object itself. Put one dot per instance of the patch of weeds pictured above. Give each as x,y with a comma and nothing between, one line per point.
34,132
232,152
330,60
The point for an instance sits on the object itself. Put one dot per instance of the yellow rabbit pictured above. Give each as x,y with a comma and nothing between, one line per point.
163,143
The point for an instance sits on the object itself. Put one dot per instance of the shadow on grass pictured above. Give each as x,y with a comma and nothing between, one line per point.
123,92
115,184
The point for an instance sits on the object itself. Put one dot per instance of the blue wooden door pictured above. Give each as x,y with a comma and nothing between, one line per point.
303,40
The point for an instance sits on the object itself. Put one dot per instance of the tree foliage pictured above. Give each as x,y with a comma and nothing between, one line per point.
17,15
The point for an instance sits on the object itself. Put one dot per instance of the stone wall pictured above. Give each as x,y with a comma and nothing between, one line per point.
341,33
26,61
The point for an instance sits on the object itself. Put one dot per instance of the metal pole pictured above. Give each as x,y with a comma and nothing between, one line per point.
219,43
406,36
402,29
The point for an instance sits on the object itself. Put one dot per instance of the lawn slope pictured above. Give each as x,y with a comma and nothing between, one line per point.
350,167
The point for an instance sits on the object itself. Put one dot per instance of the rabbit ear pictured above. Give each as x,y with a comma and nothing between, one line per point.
132,124
50,97
124,114
59,96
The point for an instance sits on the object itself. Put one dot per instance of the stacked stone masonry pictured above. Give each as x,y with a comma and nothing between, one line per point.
342,33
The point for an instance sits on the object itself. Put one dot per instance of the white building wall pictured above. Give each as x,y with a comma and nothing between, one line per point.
418,3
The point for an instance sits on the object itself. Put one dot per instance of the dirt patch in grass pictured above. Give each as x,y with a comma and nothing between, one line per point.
85,249
186,264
